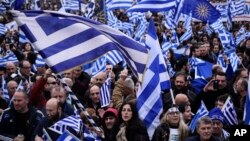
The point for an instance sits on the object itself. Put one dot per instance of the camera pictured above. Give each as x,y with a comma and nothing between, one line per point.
216,84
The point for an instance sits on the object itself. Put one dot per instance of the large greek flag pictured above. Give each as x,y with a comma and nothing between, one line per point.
153,6
149,102
68,40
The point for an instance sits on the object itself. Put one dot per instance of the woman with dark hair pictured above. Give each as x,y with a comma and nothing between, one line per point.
131,128
27,53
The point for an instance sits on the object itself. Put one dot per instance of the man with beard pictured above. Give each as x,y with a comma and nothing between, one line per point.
53,114
180,86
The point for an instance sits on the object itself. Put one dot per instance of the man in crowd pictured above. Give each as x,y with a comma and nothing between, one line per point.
20,119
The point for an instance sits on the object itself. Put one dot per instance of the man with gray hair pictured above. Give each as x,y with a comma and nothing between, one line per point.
204,129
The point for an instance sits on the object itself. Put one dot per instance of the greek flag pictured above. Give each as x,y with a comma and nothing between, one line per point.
203,69
22,38
246,117
153,6
229,112
114,57
69,122
233,58
8,58
105,93
89,136
120,4
4,90
3,29
39,61
90,10
202,111
67,136
46,136
70,33
238,7
229,15
99,65
149,103
70,4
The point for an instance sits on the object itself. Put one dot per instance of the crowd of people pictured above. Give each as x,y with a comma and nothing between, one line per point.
43,100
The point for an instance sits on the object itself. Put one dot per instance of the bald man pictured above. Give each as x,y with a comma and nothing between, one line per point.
181,99
20,119
11,71
53,114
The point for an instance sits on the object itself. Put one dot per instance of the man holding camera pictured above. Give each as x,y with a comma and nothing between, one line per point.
214,88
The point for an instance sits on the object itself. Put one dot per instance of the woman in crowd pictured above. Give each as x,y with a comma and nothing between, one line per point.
130,127
172,127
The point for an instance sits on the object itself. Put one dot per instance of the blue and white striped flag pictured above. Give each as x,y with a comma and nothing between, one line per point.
20,86
46,136
105,96
3,29
67,136
70,4
8,58
89,136
22,38
149,102
71,33
99,65
73,122
233,58
202,111
114,57
4,90
39,61
120,4
237,7
203,69
229,112
153,6
90,10
246,117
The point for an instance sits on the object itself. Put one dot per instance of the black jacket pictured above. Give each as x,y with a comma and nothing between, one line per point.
11,124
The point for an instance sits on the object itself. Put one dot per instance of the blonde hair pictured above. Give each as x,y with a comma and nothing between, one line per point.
182,127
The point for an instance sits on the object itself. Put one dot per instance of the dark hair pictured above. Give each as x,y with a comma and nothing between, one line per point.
181,73
223,97
135,115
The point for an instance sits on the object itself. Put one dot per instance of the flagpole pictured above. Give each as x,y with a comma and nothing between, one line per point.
171,90
79,105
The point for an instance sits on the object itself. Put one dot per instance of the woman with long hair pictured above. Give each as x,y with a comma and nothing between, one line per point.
172,127
130,127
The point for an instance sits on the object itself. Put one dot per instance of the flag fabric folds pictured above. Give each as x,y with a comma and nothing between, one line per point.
246,117
105,93
70,33
153,6
73,122
229,112
201,10
202,111
67,136
149,102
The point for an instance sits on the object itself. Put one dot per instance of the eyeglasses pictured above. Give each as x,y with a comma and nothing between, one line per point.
54,83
